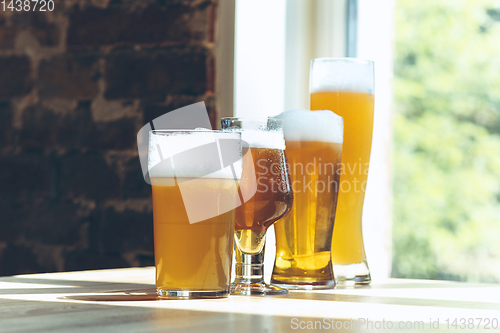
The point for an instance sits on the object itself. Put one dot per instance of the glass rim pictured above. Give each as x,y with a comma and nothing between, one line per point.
346,59
168,131
254,119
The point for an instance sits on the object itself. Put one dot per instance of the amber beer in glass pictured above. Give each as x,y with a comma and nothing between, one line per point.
193,212
304,237
346,87
268,204
267,193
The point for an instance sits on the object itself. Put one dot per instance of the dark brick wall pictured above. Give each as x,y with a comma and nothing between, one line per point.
76,85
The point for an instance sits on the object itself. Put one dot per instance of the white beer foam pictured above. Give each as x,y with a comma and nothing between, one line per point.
264,139
163,147
260,138
342,74
317,126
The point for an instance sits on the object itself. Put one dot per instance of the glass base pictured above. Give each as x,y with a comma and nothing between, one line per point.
256,289
190,294
305,286
352,275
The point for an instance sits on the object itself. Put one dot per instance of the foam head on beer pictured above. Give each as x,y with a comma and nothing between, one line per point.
203,166
351,75
195,154
317,126
260,137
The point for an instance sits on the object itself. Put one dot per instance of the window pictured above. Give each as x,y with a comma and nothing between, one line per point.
447,140
274,44
433,197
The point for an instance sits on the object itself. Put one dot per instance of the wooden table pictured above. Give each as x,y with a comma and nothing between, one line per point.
122,300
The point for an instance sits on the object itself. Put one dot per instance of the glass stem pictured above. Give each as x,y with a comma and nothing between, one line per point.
249,267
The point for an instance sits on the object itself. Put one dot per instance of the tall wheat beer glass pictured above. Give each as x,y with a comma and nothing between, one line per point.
304,237
346,87
194,177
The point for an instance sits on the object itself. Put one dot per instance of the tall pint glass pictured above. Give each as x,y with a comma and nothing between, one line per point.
194,177
346,87
304,237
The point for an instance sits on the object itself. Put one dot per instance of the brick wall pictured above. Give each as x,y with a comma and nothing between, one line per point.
76,85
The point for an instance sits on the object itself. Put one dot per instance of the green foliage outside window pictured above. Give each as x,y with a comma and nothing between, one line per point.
446,147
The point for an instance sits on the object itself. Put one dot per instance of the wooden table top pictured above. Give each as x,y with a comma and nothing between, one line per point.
123,300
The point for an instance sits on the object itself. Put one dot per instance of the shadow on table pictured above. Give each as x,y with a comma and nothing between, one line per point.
69,286
124,296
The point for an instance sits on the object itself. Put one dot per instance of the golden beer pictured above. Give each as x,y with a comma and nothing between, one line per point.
357,111
303,238
191,256
270,202
194,179
352,98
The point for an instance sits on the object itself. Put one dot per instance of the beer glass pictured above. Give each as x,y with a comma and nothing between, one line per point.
346,87
194,178
304,237
267,195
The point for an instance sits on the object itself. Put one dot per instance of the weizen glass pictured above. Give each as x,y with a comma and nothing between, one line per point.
194,178
304,237
267,195
346,87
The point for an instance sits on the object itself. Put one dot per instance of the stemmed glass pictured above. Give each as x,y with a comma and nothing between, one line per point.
267,196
